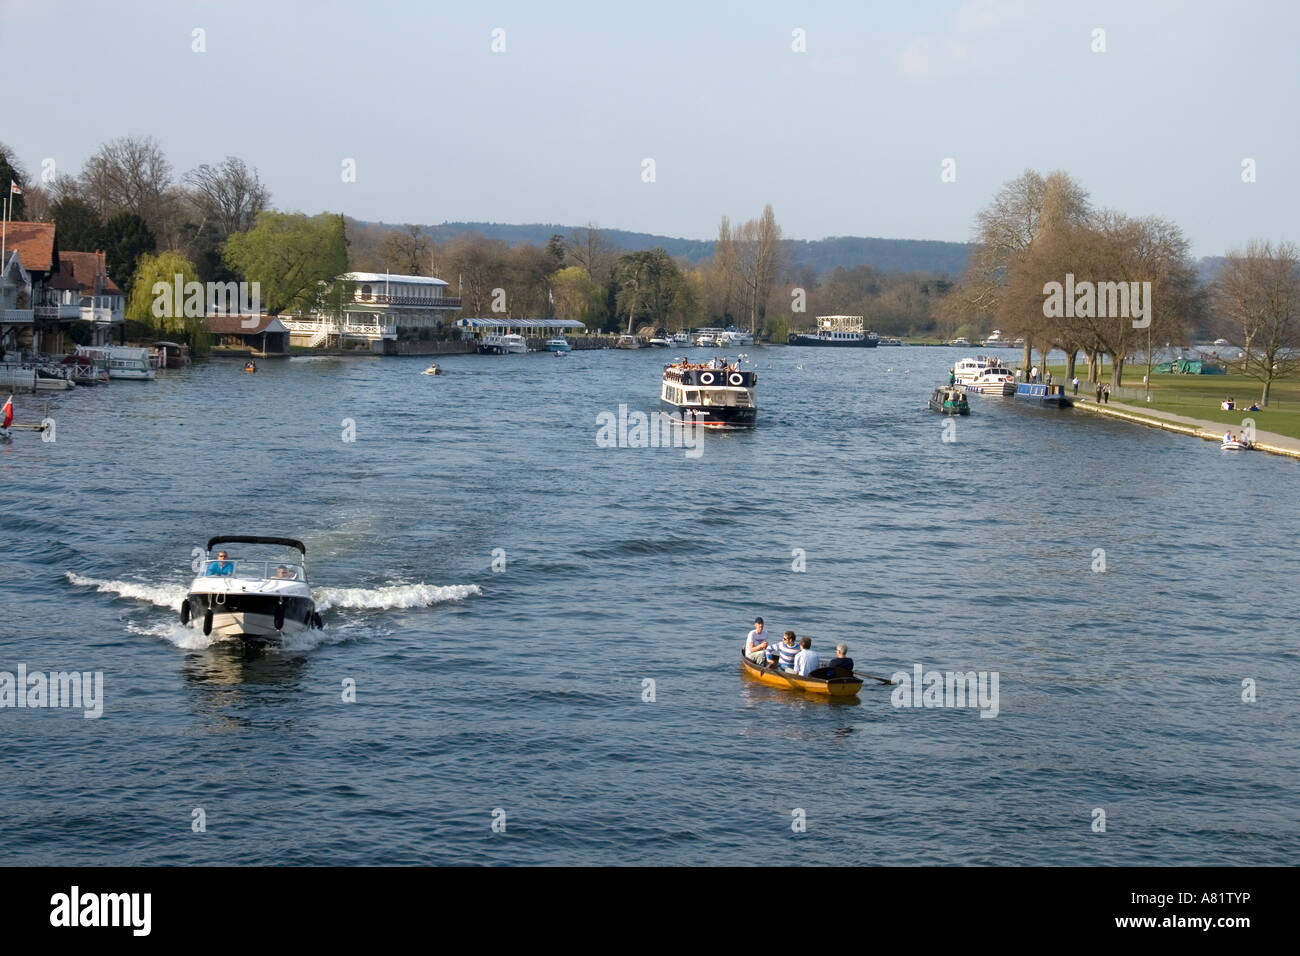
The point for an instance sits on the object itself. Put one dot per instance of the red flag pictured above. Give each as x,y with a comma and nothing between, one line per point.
13,188
8,413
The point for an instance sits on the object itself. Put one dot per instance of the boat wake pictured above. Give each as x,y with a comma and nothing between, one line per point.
388,597
392,596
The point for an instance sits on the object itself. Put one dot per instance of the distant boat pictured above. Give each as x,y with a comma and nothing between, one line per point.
123,361
890,341
628,342
558,344
434,369
837,331
511,344
661,342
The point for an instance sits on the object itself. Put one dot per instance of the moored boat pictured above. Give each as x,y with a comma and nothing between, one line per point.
949,400
984,376
837,331
710,396
1235,444
558,344
628,342
1044,394
826,686
509,344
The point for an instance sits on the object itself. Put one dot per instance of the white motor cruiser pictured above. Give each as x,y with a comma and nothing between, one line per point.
247,595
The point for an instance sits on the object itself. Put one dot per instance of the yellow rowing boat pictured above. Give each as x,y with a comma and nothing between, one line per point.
829,687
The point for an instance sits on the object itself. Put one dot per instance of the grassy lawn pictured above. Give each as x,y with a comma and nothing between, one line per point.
1198,396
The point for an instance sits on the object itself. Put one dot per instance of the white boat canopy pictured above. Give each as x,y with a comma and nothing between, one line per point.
519,324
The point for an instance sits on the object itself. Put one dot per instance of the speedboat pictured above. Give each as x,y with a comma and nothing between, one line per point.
661,342
434,369
1235,444
251,597
558,344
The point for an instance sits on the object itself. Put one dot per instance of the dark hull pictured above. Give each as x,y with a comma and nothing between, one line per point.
813,341
712,416
939,407
257,613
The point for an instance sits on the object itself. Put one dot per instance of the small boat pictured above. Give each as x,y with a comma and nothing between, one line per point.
661,342
250,366
558,344
1235,444
950,400
681,338
122,361
628,342
826,686
257,601
888,340
511,343
434,369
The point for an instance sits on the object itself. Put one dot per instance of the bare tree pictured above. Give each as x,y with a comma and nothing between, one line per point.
1259,292
228,196
587,248
406,251
130,174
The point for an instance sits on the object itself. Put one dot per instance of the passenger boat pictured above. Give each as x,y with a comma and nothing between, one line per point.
511,344
714,397
950,400
827,686
558,344
1044,394
252,599
985,376
123,361
837,331
434,369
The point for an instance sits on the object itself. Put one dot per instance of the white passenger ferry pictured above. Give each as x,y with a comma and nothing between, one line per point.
708,395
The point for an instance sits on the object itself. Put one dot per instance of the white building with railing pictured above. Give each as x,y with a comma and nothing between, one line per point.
382,308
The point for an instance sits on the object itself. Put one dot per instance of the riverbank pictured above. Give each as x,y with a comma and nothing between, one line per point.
1198,428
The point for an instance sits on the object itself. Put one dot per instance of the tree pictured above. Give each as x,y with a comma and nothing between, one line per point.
758,257
131,174
478,265
11,170
1258,291
406,251
78,226
294,258
228,196
649,288
140,304
126,238
577,296
587,247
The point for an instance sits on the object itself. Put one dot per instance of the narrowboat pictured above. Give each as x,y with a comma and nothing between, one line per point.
949,400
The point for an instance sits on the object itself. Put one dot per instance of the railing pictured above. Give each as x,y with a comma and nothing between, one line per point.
437,302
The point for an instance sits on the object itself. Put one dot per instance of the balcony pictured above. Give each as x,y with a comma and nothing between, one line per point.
415,301
16,316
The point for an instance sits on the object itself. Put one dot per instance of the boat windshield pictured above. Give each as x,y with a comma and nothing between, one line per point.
255,570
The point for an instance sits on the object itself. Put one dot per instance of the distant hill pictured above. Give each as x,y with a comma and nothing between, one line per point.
818,255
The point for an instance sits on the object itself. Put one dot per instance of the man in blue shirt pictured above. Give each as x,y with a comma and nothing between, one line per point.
841,658
221,565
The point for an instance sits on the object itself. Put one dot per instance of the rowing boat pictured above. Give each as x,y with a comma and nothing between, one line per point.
830,687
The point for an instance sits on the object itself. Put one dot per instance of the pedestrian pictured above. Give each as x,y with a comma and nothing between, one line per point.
1075,382
1049,378
1105,394
1099,393
1033,374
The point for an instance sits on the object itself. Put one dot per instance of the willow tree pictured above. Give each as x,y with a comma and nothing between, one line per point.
153,300
294,258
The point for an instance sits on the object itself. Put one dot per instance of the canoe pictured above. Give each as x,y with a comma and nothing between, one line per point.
827,687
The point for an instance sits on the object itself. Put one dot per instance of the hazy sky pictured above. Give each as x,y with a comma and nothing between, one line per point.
846,138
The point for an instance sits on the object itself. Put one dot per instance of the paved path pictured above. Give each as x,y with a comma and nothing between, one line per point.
1199,427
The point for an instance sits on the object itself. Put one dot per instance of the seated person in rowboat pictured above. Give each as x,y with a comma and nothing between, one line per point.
841,659
786,651
806,661
756,643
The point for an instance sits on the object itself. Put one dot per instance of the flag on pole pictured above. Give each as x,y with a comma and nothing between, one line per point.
13,188
8,413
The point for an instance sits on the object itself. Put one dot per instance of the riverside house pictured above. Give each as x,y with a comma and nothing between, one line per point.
382,309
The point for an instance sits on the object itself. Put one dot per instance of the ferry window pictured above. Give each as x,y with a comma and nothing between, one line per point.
692,396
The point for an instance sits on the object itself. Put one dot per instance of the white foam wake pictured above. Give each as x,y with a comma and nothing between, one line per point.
163,595
393,596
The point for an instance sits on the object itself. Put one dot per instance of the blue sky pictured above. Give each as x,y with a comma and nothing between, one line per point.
846,138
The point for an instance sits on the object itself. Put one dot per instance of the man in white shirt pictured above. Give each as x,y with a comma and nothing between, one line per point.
756,642
806,661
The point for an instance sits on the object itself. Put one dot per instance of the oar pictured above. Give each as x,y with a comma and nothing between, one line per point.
883,680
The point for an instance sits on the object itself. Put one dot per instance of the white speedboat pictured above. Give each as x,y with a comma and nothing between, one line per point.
661,342
681,338
558,344
249,597
434,369
1234,444
733,337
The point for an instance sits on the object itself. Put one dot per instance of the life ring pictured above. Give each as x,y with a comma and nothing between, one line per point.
736,379
706,378
207,622
185,611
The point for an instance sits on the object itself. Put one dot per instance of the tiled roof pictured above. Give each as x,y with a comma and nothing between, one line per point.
234,324
84,266
34,242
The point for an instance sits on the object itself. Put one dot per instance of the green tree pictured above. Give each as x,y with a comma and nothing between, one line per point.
11,170
649,288
78,225
577,296
294,258
126,239
158,310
